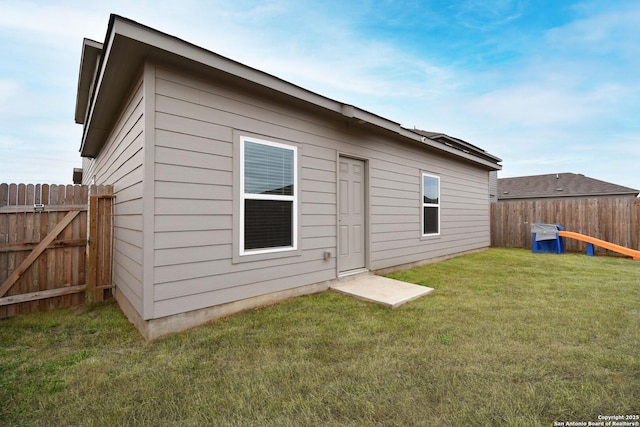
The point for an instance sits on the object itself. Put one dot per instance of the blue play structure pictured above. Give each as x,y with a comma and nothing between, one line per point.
547,239
550,238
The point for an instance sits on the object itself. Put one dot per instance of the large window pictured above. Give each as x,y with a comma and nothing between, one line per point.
268,206
430,205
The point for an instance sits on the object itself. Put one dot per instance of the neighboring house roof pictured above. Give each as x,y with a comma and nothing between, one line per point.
558,185
128,44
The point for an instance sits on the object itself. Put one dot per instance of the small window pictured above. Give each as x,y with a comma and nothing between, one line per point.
430,205
268,206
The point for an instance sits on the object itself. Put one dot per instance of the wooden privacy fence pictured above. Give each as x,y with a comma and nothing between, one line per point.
614,220
55,246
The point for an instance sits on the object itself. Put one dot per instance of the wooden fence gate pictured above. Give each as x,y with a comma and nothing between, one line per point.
55,246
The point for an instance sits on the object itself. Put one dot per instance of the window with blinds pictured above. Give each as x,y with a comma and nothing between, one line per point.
269,196
430,204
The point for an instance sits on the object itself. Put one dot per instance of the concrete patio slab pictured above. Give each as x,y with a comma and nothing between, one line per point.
382,290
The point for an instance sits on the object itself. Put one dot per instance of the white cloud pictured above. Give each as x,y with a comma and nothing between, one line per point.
9,88
483,15
43,21
9,143
543,104
614,31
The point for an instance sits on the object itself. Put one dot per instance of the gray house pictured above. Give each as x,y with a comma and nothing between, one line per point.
236,189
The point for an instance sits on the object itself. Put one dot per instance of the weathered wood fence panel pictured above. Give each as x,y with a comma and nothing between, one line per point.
98,247
610,219
43,242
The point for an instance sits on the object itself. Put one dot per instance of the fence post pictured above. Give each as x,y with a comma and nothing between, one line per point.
98,272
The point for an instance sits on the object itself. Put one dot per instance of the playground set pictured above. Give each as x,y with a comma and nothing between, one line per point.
550,238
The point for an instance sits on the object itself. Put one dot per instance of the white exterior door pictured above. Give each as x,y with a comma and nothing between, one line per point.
352,215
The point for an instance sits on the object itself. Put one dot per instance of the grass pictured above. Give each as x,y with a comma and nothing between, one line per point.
507,338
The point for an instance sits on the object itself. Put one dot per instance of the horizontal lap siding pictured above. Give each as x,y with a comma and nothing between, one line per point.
119,163
195,121
395,189
194,202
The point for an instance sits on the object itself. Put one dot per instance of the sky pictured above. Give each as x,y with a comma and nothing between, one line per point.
548,86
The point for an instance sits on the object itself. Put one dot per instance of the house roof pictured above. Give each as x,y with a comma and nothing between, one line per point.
558,185
456,143
91,51
108,69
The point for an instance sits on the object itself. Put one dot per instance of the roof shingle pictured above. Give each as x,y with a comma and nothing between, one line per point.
558,185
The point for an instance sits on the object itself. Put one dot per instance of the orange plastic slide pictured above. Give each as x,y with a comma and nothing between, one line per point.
601,243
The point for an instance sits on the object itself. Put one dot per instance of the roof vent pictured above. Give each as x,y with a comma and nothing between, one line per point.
559,189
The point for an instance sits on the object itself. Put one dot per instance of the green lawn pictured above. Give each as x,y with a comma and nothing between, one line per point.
507,338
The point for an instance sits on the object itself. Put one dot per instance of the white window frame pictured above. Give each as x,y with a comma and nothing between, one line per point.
244,196
429,205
